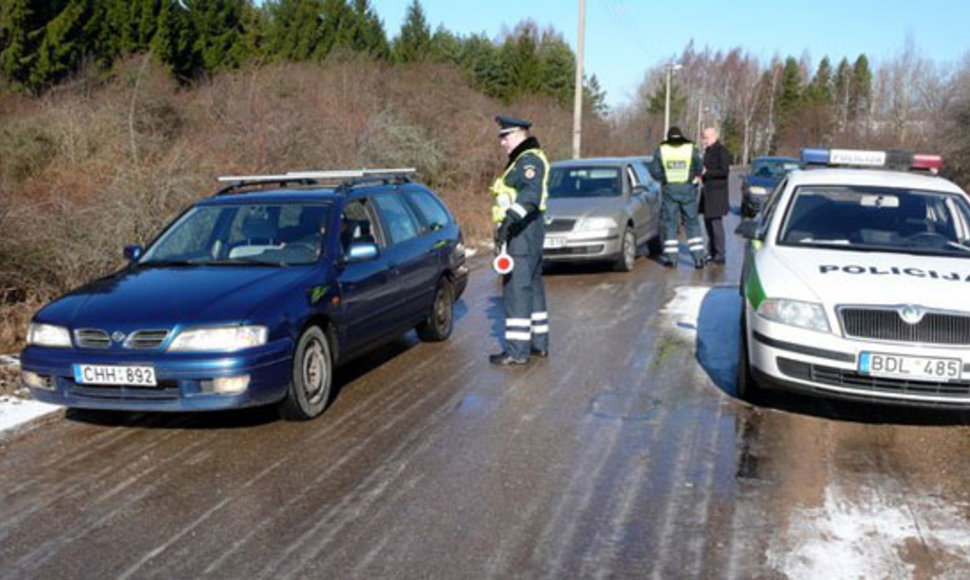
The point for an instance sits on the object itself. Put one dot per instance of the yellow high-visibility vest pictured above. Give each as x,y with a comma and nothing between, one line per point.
676,161
505,195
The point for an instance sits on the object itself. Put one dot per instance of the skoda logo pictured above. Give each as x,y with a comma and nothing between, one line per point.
117,336
911,314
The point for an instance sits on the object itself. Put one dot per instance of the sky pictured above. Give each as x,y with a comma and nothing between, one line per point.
626,38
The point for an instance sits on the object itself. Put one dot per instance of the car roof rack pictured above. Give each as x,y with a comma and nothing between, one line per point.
345,179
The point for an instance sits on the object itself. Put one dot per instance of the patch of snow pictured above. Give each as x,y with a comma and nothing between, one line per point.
15,411
684,309
867,536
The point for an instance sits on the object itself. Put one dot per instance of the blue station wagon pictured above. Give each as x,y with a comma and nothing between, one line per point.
253,296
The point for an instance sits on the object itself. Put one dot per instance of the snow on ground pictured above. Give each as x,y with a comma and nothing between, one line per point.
867,536
16,410
684,309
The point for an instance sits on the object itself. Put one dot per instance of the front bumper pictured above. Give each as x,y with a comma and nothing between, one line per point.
788,358
579,246
181,378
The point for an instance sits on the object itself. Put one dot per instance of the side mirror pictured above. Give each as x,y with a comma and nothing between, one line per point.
748,229
640,189
362,252
132,253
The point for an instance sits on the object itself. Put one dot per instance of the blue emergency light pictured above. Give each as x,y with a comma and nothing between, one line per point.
904,160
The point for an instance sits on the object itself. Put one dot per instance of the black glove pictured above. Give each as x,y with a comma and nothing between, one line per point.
502,233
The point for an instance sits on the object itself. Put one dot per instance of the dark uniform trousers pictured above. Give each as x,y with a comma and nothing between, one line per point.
680,204
524,295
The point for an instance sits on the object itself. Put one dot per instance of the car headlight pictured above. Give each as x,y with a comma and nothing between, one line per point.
596,223
48,335
758,190
795,313
219,338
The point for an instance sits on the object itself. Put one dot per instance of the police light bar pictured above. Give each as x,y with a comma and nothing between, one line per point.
865,158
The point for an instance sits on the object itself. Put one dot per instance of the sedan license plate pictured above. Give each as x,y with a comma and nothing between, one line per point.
137,376
552,242
910,367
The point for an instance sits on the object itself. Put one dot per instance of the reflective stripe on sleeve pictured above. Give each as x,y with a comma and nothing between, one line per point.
519,210
517,323
540,316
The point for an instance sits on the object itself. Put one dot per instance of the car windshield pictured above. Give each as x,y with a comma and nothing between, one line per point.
878,218
232,234
774,169
585,182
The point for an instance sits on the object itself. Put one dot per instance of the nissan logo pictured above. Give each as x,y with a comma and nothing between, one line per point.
117,336
911,314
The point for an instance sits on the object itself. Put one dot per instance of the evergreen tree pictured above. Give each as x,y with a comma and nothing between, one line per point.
66,38
558,68
860,91
841,85
521,63
22,30
414,42
368,31
217,26
657,102
595,97
821,88
446,47
173,43
482,61
294,29
336,29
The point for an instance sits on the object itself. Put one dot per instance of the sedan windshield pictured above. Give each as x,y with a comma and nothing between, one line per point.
585,182
878,218
239,234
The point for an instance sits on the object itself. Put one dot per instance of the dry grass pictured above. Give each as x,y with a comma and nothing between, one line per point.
93,166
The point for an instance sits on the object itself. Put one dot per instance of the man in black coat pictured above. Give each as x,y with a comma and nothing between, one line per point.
714,197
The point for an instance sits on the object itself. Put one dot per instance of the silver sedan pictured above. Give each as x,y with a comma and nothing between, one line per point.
602,209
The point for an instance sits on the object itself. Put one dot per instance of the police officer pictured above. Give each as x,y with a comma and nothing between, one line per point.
520,201
677,165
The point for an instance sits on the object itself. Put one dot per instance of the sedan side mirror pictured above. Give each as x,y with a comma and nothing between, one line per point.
640,189
362,252
748,229
133,252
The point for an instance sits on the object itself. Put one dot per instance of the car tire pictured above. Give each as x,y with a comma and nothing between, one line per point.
309,391
628,251
748,389
441,319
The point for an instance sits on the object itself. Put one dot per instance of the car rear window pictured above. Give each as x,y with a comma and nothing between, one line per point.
880,218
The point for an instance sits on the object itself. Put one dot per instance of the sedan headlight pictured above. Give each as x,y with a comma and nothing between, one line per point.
219,338
795,313
596,223
48,335
758,190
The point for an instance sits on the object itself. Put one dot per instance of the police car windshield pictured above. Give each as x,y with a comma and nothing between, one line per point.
878,218
242,234
583,182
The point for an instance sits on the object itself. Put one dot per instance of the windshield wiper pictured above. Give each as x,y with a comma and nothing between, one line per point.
167,263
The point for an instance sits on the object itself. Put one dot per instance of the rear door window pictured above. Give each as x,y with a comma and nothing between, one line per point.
432,211
401,224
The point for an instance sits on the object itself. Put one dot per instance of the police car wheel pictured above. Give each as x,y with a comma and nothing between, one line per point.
628,251
309,390
747,387
441,319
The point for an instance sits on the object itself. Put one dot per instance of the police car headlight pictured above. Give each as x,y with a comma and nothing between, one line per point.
48,335
757,190
220,338
795,313
596,223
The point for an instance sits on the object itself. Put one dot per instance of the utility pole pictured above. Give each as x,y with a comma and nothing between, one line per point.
671,67
578,97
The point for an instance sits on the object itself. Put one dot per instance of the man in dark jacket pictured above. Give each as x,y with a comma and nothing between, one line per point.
677,165
714,197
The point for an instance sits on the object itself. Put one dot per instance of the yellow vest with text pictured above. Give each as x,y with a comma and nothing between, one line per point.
676,161
505,195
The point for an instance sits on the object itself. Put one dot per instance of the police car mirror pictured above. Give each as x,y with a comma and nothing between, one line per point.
748,229
640,189
362,252
132,253
889,201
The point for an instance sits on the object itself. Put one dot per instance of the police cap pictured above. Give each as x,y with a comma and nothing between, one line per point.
507,124
675,134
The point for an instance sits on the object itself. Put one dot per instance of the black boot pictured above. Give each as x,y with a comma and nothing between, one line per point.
506,359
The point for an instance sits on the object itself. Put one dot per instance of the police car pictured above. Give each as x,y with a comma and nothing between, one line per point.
855,282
